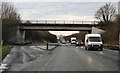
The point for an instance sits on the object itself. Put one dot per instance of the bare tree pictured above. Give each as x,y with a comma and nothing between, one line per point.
8,11
10,19
106,13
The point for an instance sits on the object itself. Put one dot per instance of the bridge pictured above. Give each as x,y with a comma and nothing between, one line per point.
59,25
53,25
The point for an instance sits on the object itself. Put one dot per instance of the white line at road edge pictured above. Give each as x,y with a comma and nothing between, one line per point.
43,68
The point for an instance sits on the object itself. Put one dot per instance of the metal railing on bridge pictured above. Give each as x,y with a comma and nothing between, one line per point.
59,22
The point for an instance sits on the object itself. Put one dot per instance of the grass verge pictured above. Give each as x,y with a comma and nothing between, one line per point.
4,50
0,53
112,47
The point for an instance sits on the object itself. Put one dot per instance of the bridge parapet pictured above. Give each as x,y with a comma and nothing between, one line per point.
59,22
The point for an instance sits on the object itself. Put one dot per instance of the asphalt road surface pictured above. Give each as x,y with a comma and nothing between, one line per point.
72,58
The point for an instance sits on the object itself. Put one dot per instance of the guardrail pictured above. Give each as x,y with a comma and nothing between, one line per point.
59,22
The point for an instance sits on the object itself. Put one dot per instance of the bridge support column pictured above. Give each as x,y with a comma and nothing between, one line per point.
20,35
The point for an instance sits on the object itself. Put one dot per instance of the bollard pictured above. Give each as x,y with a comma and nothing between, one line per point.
47,46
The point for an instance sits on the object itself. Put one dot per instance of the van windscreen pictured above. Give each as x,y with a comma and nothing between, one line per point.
94,39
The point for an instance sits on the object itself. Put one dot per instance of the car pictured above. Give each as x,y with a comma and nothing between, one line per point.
79,43
63,42
73,40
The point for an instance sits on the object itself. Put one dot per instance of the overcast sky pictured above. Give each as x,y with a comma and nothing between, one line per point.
59,9
62,0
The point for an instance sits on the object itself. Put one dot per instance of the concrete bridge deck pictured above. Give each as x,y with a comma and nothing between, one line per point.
58,25
59,22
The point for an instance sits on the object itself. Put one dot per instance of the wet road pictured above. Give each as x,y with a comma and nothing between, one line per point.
72,58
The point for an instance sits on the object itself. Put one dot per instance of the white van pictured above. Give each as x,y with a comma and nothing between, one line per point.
93,42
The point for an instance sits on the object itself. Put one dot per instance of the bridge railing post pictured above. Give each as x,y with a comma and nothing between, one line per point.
64,22
55,22
45,21
37,21
82,22
73,22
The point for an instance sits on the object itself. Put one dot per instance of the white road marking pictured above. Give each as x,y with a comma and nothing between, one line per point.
43,68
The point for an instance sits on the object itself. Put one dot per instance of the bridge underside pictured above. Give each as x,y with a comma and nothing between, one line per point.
56,27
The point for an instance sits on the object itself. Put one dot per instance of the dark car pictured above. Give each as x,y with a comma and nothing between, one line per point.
79,43
63,42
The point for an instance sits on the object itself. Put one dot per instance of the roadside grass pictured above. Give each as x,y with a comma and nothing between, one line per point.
4,50
0,53
112,47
